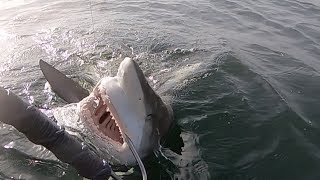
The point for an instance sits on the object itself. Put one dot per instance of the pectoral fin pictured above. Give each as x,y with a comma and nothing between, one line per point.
63,86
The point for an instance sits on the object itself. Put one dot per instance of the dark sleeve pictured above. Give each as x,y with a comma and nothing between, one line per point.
39,129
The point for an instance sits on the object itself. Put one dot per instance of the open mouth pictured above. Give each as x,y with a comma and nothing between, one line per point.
102,116
106,122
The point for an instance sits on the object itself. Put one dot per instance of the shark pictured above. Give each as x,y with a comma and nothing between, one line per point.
120,113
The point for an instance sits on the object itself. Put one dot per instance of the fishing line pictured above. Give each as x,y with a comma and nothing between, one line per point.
136,156
92,23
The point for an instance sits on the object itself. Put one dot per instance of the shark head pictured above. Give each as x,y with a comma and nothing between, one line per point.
124,105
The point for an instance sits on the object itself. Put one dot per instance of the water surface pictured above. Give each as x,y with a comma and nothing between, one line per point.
243,78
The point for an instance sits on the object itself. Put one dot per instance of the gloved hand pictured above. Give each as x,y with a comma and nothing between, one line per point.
39,129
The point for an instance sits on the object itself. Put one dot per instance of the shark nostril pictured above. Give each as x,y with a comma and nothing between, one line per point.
103,117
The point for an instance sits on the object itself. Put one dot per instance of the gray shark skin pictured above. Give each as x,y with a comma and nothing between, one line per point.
161,113
63,86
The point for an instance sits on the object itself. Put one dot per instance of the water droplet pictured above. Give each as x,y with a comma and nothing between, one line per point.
177,50
31,99
30,107
84,146
9,145
62,128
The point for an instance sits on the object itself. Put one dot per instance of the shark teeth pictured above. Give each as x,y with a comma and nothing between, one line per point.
96,111
105,120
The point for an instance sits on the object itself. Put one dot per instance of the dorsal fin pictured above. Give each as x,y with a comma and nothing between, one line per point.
63,86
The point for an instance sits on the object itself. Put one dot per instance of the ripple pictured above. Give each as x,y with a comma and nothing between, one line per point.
243,76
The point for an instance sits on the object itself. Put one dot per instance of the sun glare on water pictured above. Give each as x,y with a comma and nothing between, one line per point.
5,4
4,35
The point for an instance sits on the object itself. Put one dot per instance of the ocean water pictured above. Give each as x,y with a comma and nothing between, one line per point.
243,78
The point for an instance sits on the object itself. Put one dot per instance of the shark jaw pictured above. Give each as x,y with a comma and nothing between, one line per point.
117,108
